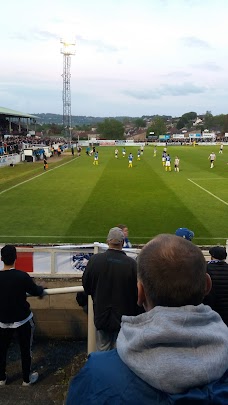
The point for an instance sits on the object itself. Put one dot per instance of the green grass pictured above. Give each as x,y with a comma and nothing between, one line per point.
77,202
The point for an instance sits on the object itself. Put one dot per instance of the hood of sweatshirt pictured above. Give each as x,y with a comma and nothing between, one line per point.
175,349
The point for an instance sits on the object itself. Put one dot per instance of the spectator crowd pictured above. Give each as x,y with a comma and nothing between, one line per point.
161,323
16,144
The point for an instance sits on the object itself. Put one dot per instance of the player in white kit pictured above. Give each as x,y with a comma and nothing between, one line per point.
212,158
176,164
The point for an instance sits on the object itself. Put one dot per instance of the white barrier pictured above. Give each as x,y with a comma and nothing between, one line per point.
6,160
65,260
59,261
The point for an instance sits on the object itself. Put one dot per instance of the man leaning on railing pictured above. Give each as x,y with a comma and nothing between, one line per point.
15,314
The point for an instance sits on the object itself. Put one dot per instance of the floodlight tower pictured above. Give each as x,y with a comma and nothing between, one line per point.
68,49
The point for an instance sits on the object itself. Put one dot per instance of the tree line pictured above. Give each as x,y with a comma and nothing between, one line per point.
112,128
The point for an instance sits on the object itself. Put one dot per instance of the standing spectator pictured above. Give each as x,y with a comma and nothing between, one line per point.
72,150
127,243
174,353
185,233
15,314
110,278
217,268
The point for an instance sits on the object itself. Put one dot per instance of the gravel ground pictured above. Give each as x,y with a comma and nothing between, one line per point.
56,362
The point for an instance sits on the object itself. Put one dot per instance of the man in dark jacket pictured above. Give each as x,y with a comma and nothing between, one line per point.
15,314
174,353
217,268
111,279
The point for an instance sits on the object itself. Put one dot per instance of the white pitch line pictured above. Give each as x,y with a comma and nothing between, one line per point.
204,189
211,178
35,177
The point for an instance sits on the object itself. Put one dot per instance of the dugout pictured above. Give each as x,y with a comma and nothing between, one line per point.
34,153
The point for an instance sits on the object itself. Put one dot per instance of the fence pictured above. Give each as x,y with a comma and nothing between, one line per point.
65,260
59,261
6,160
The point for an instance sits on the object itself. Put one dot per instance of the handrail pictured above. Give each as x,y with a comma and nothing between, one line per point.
62,290
91,341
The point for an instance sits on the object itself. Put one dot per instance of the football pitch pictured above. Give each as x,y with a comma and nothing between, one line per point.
77,202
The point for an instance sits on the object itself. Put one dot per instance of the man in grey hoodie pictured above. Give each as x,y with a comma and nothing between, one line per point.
174,353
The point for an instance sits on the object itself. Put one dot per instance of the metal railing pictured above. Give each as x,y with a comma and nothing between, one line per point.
91,340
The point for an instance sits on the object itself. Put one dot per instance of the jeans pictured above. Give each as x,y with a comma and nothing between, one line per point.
25,337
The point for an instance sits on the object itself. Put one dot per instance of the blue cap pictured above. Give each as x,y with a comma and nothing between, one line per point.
185,233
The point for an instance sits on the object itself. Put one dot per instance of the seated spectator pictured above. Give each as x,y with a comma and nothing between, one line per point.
127,243
174,353
217,268
185,233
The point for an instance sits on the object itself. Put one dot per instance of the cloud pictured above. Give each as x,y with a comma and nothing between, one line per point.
210,66
196,42
98,44
37,35
43,35
142,94
177,74
174,90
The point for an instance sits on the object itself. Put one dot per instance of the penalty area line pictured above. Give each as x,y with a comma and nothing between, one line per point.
208,192
35,177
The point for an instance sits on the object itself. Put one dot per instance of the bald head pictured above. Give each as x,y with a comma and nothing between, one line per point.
172,271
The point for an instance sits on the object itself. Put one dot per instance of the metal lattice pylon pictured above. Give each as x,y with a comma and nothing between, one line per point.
67,50
66,92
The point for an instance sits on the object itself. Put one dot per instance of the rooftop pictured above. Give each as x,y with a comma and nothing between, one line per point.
12,113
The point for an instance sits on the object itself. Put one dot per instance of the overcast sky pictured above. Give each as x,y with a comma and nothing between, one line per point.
133,57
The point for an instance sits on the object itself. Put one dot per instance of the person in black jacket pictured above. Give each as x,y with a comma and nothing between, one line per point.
111,279
15,314
217,268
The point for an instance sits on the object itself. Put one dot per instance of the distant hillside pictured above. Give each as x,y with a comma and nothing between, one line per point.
80,120
49,118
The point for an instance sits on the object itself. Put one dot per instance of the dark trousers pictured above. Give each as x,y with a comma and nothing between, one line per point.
106,340
25,337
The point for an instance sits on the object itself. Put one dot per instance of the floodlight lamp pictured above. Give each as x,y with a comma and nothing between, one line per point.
68,47
67,41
